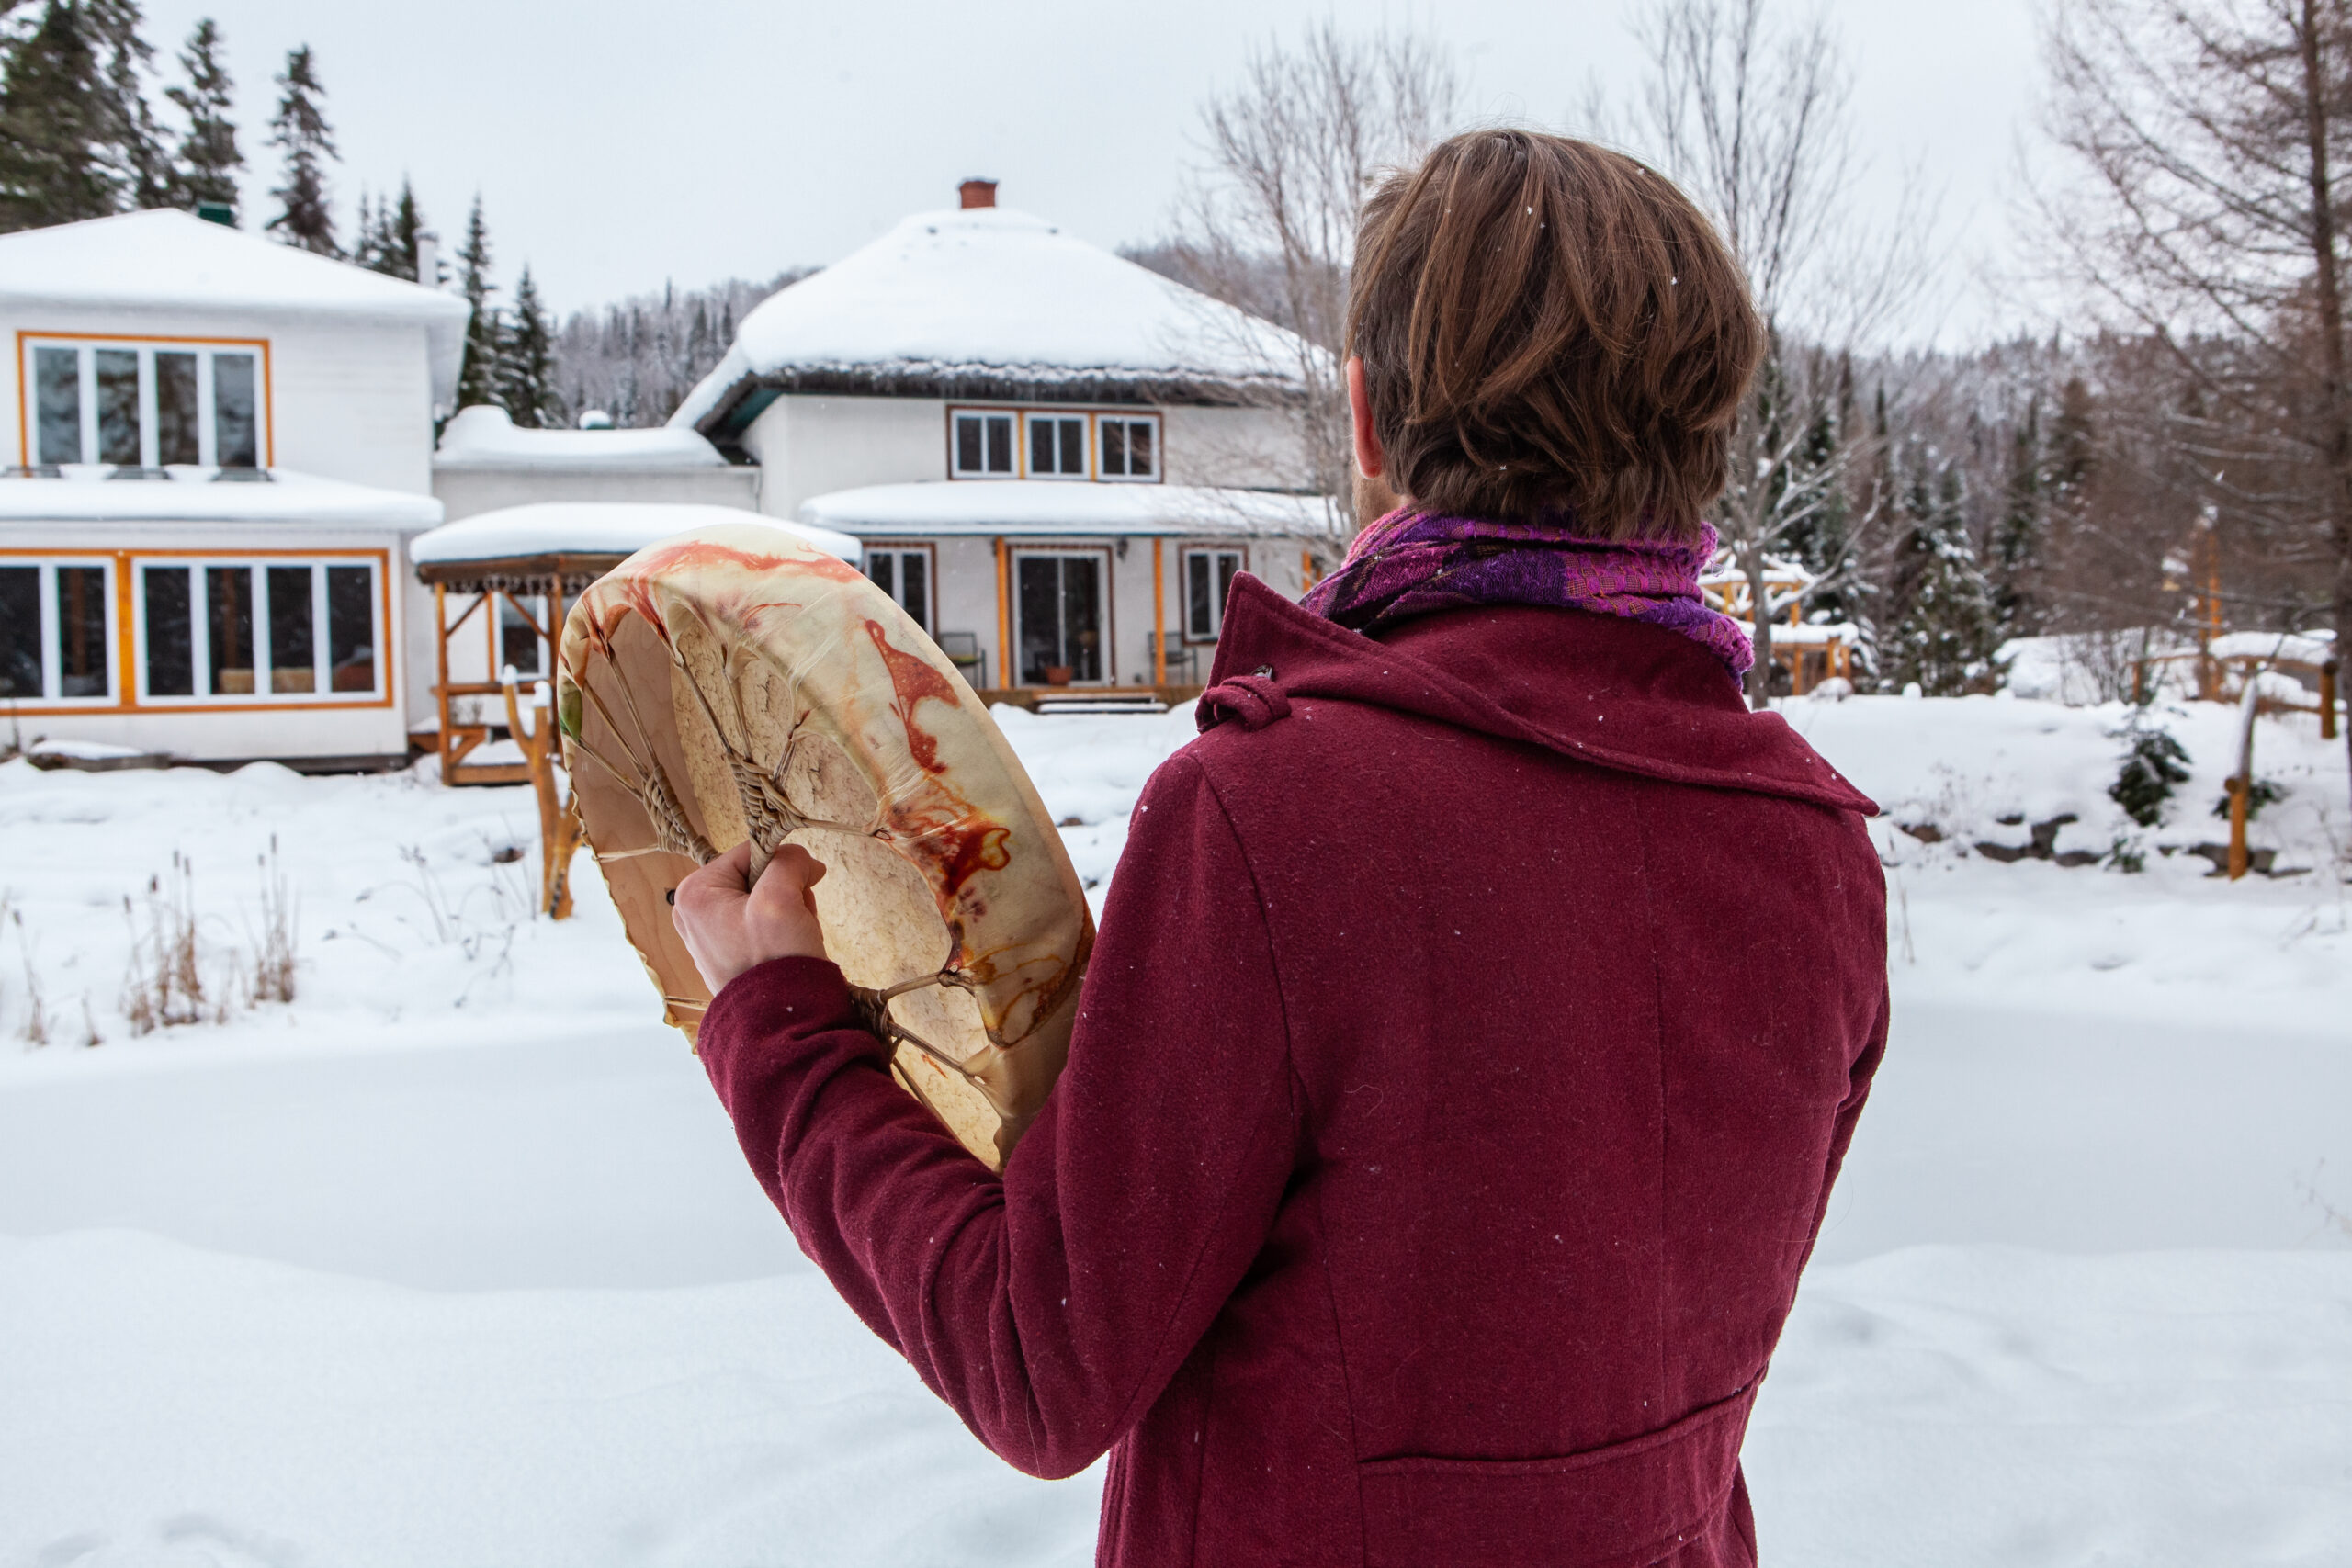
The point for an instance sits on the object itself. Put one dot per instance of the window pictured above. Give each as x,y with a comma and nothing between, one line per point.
258,631
1208,578
983,446
1057,445
519,642
145,405
903,571
55,621
1059,601
1130,448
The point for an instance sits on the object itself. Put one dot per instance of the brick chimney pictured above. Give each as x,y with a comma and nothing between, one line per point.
977,193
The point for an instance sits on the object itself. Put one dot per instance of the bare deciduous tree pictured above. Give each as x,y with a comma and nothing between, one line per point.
1751,114
2208,135
1269,222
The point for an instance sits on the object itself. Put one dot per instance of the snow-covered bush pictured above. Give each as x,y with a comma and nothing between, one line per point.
2153,763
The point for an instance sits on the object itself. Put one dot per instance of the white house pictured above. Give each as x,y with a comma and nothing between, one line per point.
222,446
1055,458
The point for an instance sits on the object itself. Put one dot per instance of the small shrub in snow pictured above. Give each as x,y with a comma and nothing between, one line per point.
273,948
2265,791
164,986
2153,763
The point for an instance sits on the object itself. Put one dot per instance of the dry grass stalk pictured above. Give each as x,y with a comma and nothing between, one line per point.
35,1031
165,986
275,960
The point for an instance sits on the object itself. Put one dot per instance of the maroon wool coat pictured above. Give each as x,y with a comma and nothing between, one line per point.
1478,1019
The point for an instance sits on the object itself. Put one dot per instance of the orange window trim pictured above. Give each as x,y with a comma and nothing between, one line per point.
26,336
125,641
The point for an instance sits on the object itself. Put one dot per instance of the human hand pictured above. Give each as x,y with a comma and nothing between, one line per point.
728,925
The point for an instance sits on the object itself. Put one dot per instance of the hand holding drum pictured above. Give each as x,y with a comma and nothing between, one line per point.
733,690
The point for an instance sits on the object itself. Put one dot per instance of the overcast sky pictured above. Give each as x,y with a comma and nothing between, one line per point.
615,145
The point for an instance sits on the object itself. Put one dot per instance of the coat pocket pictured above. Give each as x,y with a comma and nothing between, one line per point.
1625,1506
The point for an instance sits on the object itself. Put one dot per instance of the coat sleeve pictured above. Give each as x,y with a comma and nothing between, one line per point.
1049,1307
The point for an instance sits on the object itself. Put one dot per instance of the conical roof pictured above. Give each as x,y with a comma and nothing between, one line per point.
998,303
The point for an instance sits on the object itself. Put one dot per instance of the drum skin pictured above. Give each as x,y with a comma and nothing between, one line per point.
732,682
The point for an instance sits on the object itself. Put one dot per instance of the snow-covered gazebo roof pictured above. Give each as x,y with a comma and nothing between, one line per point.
577,541
1034,508
166,259
989,302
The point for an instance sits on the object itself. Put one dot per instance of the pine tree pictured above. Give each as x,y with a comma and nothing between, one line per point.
403,232
1945,634
143,165
480,376
209,159
55,125
2016,539
526,371
305,218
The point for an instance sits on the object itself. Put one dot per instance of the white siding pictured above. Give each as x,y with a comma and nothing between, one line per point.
809,446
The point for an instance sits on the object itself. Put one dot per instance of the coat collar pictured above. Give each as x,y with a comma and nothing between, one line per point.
1613,693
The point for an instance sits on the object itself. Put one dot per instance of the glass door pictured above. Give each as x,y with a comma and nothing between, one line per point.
1060,604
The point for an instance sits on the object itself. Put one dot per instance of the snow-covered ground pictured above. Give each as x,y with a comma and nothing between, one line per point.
452,1260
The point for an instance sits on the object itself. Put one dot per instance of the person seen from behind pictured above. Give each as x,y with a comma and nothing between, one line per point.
1482,1005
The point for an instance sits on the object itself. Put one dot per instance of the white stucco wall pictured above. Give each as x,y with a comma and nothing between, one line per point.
807,446
348,398
466,491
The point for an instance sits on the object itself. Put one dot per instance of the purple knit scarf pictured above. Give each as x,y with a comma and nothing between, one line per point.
1409,563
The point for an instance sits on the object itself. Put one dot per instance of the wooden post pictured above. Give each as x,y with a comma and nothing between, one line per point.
2237,788
441,666
2327,700
1004,670
1158,614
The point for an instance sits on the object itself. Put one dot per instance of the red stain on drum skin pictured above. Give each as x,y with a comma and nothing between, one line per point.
914,680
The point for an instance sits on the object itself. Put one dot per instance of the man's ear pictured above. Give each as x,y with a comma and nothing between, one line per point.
1371,461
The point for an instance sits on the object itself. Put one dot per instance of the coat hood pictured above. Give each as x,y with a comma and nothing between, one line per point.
1615,694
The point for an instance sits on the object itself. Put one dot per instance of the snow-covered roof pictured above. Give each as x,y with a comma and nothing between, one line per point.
594,528
166,259
485,436
1032,507
86,493
992,302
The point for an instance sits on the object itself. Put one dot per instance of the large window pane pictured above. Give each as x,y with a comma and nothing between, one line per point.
1073,433
351,628
1040,588
1200,610
882,566
1000,428
58,372
82,631
229,620
914,591
117,371
21,673
176,422
292,647
236,428
1139,458
1115,447
1041,448
518,640
969,457
1082,617
171,664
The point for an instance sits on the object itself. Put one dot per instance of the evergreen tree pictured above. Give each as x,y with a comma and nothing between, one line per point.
527,374
134,145
2016,539
403,233
480,377
1945,634
305,220
209,159
369,244
56,124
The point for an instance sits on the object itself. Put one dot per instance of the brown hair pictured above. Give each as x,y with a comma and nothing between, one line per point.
1546,325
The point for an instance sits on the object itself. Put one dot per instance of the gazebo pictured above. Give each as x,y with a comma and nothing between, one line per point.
518,569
